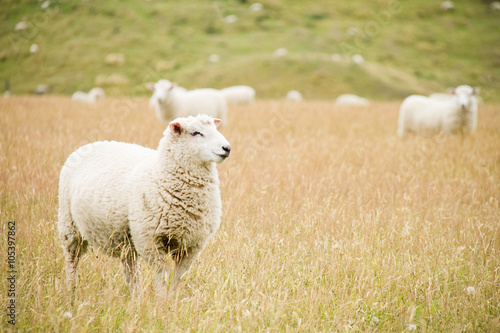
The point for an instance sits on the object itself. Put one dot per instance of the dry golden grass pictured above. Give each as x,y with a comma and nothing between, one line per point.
331,223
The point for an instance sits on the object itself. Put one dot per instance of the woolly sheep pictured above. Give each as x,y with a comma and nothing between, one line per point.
495,6
256,7
447,5
239,94
230,19
214,58
34,48
294,96
280,53
95,94
351,100
358,59
422,114
169,102
130,201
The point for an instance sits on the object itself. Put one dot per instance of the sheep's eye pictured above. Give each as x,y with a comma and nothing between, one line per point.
196,133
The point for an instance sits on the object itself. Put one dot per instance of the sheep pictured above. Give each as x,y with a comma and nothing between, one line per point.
280,53
131,201
214,58
351,100
421,114
256,7
170,103
230,19
358,59
447,6
495,6
239,94
34,48
294,96
95,94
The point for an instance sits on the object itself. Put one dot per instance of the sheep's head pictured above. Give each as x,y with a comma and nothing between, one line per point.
162,90
197,139
464,95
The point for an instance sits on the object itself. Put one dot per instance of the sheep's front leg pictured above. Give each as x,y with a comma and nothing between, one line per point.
131,272
183,262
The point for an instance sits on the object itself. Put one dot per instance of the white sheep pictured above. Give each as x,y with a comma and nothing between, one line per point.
130,201
358,59
421,114
230,19
294,96
280,53
447,6
495,6
351,100
256,7
170,102
239,94
95,94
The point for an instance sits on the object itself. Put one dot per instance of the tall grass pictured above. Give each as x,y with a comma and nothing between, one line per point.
331,223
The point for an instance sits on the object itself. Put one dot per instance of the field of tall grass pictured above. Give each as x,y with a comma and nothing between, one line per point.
331,223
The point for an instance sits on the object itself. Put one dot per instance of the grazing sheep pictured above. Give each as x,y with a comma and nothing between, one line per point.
230,19
294,96
95,94
239,94
358,59
447,6
169,102
214,58
34,48
351,100
256,7
130,201
421,114
280,53
21,26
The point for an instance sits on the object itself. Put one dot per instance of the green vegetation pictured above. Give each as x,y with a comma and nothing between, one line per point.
409,46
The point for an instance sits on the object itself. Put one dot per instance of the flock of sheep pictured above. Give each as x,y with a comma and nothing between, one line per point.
165,204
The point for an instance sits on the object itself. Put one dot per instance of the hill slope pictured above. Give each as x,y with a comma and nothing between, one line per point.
408,46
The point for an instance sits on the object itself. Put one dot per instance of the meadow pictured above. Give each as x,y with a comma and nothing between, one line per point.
330,224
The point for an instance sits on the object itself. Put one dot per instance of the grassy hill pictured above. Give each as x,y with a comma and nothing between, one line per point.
409,46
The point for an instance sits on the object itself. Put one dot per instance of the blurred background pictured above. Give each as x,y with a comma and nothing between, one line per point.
382,49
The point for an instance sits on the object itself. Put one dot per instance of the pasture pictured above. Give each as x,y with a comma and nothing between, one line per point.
330,223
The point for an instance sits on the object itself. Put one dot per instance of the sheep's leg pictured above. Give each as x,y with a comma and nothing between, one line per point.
183,262
73,250
161,279
131,272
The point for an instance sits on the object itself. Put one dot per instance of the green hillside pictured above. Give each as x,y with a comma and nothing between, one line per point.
408,46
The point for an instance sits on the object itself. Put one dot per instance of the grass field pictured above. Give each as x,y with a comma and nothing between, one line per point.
331,223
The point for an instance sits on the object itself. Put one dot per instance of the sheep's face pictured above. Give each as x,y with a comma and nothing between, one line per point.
162,90
199,138
464,95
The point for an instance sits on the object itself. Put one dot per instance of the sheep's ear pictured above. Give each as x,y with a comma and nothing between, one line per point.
476,90
151,85
451,91
175,127
217,122
172,86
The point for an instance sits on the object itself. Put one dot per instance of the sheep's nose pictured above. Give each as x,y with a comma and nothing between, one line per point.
227,149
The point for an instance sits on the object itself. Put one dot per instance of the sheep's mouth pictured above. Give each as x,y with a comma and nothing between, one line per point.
223,156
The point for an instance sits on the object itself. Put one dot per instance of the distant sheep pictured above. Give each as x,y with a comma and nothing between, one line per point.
447,6
21,26
256,7
95,94
294,96
169,102
34,48
421,114
239,95
495,6
280,53
230,19
214,58
358,59
351,100
130,201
